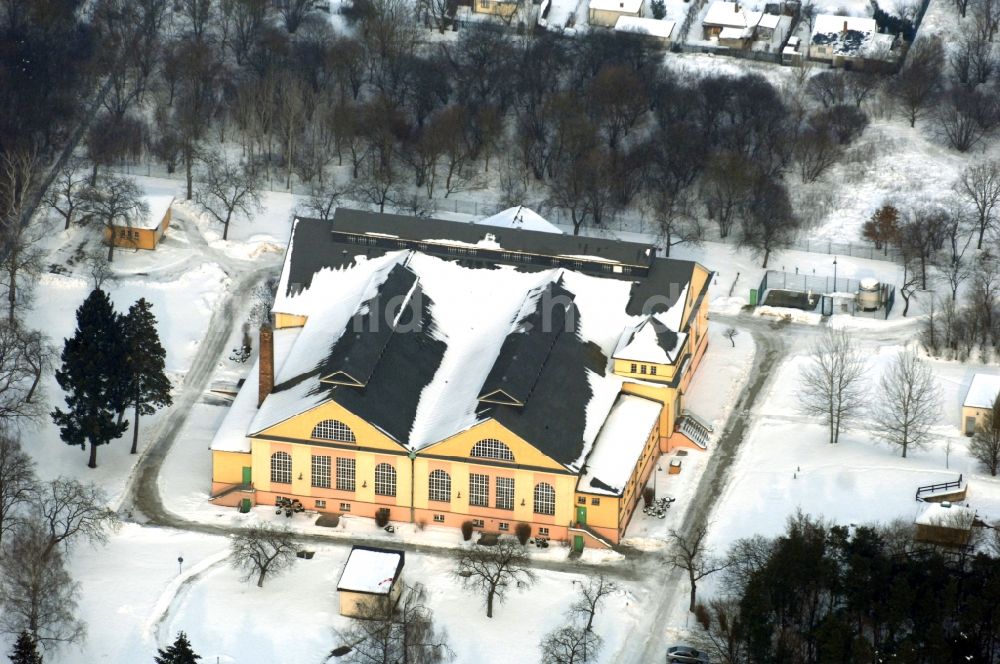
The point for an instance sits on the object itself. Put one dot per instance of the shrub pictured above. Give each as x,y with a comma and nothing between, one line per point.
382,517
421,524
522,531
659,9
647,496
466,530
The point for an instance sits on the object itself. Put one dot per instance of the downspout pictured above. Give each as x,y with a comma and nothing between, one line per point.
412,455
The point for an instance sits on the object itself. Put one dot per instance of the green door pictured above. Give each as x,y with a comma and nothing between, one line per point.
247,476
581,514
578,543
753,297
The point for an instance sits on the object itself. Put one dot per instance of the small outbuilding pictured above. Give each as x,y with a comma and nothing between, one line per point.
607,12
945,524
660,31
147,231
370,575
979,402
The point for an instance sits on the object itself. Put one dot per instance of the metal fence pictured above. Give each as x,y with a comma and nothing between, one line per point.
825,287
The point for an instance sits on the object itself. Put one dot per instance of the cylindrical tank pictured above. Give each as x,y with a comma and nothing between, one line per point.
869,294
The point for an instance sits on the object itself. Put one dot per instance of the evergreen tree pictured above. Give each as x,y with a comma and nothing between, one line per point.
179,652
90,375
148,386
25,650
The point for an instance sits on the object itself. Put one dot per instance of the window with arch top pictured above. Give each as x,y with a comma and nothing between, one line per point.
334,430
545,499
491,448
385,480
281,468
439,486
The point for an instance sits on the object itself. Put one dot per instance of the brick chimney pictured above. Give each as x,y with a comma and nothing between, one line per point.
845,25
266,362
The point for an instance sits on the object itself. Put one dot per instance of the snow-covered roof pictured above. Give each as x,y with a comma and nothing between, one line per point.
158,205
619,445
371,570
623,6
850,35
769,21
730,14
946,515
983,391
735,33
645,26
520,217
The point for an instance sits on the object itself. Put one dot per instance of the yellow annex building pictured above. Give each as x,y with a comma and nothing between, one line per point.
443,372
147,231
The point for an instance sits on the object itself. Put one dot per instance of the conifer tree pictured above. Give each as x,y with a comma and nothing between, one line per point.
179,652
91,364
25,650
148,385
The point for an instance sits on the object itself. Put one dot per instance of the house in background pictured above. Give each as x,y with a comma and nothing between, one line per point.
945,524
653,29
729,22
607,12
979,401
461,373
851,42
145,232
371,576
502,8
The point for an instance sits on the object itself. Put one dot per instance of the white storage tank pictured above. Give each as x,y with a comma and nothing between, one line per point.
869,294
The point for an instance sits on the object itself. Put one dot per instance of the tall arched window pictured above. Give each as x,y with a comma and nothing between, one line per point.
491,448
385,480
333,430
439,486
281,467
545,499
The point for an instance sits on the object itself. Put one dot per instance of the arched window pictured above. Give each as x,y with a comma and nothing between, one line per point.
385,480
333,430
281,467
545,499
491,448
439,486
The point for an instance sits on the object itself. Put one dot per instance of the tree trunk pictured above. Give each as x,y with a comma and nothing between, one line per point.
92,463
11,297
489,603
111,244
982,230
135,430
225,226
767,255
187,172
260,578
694,590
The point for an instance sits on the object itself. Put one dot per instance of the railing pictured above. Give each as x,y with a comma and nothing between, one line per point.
935,488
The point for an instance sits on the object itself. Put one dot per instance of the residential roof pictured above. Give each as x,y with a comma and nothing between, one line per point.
983,391
645,26
371,570
944,515
521,218
619,445
158,205
623,6
850,35
769,21
730,14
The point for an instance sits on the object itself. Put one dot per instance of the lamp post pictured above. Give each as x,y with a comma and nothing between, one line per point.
834,274
180,564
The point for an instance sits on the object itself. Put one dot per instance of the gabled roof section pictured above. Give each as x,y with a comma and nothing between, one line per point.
537,326
651,341
359,349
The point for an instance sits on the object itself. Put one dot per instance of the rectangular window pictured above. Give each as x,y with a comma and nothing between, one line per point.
595,501
505,493
544,532
633,367
477,523
320,504
439,518
321,472
345,507
479,490
581,500
504,525
345,474
643,369
652,371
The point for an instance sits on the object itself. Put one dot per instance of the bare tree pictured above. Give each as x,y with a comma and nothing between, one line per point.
570,645
294,12
724,632
262,550
117,204
24,355
985,444
965,117
833,381
918,83
390,632
100,270
979,184
229,189
767,222
37,593
730,334
908,403
17,482
746,557
65,194
492,570
67,509
20,263
691,553
592,593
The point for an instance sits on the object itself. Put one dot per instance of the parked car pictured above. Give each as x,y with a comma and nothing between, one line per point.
685,655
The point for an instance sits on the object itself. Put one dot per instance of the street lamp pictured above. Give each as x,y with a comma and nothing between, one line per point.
180,564
834,274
